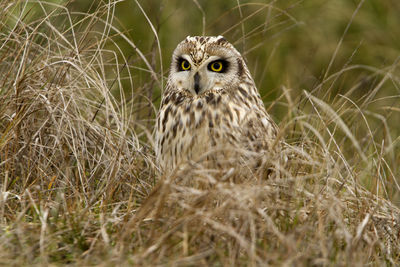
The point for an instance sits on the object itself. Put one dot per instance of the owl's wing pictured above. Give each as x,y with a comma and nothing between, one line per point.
258,131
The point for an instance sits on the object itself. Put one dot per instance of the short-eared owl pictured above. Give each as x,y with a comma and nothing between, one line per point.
211,109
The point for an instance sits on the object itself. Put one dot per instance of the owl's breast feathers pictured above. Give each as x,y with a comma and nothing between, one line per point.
214,126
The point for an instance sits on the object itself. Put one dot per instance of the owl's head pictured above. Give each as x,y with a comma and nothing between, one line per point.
203,63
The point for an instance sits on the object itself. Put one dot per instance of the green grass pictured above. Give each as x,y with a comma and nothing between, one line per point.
80,84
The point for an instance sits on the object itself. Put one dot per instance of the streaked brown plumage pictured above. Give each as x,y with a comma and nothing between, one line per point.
211,110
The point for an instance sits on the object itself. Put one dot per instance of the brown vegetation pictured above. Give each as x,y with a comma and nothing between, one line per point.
78,180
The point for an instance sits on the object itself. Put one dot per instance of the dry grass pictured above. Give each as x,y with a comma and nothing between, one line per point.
79,184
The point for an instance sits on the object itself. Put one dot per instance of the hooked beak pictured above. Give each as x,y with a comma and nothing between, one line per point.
197,83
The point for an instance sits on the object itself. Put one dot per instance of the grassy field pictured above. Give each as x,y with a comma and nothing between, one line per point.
80,84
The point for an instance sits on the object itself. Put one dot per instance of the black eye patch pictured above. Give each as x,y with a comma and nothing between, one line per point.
219,66
182,64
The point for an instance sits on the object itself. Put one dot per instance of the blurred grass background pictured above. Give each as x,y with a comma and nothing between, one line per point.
285,42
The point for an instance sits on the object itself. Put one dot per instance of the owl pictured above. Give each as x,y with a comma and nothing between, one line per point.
211,110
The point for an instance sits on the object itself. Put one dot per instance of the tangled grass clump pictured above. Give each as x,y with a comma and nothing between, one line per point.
79,184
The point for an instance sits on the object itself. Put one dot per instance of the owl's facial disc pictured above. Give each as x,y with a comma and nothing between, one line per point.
211,73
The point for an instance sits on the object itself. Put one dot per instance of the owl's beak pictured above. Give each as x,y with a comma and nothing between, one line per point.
197,83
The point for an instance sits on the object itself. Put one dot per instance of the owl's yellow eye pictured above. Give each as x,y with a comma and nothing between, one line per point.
185,65
216,66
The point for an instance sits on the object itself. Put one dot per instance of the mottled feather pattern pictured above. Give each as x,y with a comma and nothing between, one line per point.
220,121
